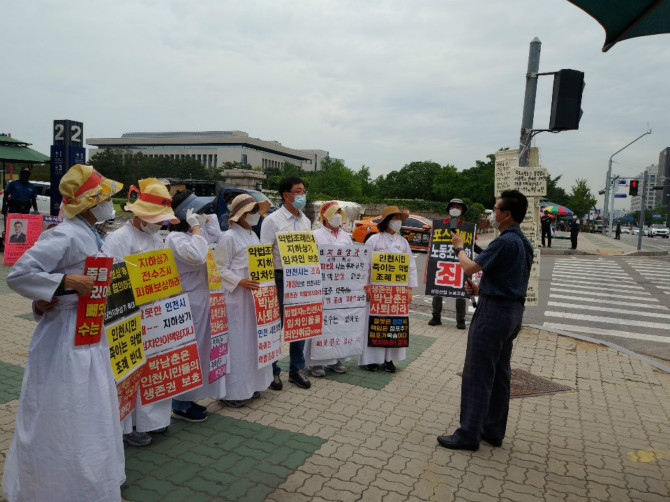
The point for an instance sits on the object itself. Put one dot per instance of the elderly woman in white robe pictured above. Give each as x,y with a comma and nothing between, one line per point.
140,235
189,241
245,380
67,444
389,240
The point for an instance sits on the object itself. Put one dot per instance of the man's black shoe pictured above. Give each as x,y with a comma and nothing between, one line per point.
460,325
435,321
299,379
276,383
491,441
372,367
454,444
389,366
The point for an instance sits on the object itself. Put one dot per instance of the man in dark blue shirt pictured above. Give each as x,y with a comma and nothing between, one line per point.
20,195
485,389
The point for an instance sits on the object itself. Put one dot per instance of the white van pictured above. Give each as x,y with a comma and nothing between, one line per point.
43,197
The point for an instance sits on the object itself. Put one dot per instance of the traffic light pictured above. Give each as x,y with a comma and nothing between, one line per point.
632,188
566,100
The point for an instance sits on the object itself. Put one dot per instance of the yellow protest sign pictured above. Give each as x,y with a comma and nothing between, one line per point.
213,276
153,275
125,345
297,248
261,268
390,268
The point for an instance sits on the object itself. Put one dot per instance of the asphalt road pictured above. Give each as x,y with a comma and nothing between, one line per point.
622,300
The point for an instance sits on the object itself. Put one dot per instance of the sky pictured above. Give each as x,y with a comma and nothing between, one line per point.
379,83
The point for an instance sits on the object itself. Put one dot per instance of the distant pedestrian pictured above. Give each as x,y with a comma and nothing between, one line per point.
617,232
546,221
574,231
20,195
485,389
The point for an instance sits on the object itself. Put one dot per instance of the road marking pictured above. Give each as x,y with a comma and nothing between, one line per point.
608,320
587,267
600,293
615,278
646,456
598,299
594,283
608,309
608,332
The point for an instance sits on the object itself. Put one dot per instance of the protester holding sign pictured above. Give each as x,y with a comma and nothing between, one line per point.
67,443
189,240
246,379
139,235
332,218
389,240
288,218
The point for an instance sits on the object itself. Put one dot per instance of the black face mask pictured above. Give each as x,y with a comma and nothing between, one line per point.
25,178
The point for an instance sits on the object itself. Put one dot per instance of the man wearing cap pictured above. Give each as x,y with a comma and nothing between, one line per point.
288,218
139,235
20,195
332,217
67,441
456,208
545,221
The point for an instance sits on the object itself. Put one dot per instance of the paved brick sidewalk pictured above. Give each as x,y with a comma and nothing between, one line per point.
363,436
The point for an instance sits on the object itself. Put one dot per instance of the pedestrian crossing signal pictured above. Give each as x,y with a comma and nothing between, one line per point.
632,189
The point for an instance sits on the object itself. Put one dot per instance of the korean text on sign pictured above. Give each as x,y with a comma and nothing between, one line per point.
390,268
171,374
213,275
297,248
121,300
261,267
125,345
153,275
218,316
91,308
444,274
268,324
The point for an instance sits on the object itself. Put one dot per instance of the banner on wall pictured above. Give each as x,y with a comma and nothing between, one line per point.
266,304
444,274
21,233
388,323
344,274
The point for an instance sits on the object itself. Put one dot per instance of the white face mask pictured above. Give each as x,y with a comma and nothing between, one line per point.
149,228
395,225
494,223
252,219
454,213
335,221
103,211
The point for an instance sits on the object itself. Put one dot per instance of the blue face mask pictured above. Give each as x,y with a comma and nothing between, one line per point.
299,202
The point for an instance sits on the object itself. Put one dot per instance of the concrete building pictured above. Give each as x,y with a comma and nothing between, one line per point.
213,148
651,203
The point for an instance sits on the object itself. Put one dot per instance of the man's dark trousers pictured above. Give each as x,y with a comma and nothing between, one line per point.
546,231
296,350
485,391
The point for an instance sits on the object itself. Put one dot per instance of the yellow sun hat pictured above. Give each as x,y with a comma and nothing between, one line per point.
245,203
330,209
82,187
153,204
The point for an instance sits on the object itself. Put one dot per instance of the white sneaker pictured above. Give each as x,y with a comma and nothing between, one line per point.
338,367
317,371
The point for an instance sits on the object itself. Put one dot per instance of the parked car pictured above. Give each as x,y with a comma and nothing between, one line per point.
658,230
43,197
416,229
226,196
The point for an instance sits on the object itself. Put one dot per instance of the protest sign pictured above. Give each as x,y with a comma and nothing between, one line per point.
344,274
22,231
125,345
444,274
120,301
153,275
172,364
302,285
390,293
127,393
91,308
49,222
218,316
213,276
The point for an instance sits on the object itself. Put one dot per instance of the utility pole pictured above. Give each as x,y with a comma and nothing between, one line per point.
529,101
642,209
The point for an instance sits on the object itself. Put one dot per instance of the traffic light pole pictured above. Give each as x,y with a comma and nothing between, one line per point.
642,208
606,212
529,101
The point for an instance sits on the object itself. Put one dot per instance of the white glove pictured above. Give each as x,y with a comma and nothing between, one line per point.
192,218
202,219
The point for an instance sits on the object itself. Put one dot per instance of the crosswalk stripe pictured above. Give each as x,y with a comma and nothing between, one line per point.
599,281
596,267
599,308
578,285
577,273
611,332
598,299
613,273
599,293
608,320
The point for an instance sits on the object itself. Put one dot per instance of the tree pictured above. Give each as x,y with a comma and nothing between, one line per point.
335,180
413,181
581,201
368,187
477,183
556,194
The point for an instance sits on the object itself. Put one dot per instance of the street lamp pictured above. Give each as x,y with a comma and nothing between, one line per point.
607,213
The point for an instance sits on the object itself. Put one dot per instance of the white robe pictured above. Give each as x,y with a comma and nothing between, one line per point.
67,443
323,236
245,377
125,241
190,253
395,243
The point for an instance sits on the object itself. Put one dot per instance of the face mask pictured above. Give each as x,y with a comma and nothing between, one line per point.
395,225
494,223
335,221
150,228
454,213
253,219
103,211
299,202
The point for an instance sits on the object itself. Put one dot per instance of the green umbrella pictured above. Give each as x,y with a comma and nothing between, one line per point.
624,19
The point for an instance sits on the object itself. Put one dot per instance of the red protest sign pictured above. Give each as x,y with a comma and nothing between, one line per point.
91,308
171,374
